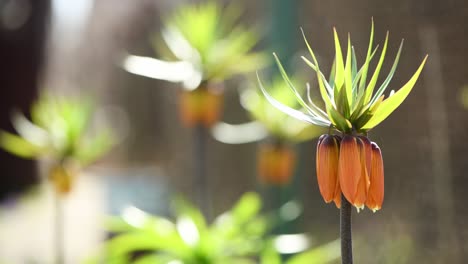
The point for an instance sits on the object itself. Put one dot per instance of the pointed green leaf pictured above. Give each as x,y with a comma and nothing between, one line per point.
362,83
327,253
348,77
338,120
311,102
293,89
19,146
270,256
329,88
384,85
323,92
353,64
342,105
247,207
340,72
331,79
391,103
375,76
290,111
358,79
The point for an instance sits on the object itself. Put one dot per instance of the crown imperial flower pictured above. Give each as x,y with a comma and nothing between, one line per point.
353,105
353,166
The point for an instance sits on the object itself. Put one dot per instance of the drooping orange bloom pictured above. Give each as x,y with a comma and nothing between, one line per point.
349,167
363,185
61,178
352,166
276,164
376,190
201,106
328,149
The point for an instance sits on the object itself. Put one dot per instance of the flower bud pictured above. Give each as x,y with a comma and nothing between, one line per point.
375,195
328,149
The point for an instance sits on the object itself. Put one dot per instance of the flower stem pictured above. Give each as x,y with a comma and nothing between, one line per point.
200,136
59,230
345,232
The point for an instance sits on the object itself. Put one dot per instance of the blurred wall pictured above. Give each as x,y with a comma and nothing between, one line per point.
22,38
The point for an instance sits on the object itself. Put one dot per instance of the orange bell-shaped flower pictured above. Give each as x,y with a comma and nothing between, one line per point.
328,149
375,195
352,171
62,179
275,164
201,106
368,152
364,182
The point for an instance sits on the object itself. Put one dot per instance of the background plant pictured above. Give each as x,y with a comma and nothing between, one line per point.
60,132
349,166
239,235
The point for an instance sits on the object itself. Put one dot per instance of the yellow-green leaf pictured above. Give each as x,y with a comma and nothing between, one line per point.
323,91
348,76
339,73
18,146
363,80
392,103
338,120
375,76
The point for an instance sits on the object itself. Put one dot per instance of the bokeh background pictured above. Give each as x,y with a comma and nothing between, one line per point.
77,46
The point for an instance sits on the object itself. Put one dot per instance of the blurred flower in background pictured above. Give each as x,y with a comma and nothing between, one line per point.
59,131
76,47
276,155
204,44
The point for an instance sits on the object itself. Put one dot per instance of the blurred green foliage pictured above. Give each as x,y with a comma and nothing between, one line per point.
278,124
59,129
210,37
240,236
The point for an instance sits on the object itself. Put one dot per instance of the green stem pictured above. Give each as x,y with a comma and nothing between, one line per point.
59,230
345,232
200,136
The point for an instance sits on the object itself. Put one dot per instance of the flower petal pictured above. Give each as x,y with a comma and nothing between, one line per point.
349,167
327,166
376,190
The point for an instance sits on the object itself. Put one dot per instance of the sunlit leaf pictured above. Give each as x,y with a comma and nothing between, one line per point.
362,82
184,208
339,64
338,120
323,254
211,39
247,207
373,81
154,259
289,111
348,78
293,89
270,256
325,96
29,131
384,85
19,146
93,148
391,103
